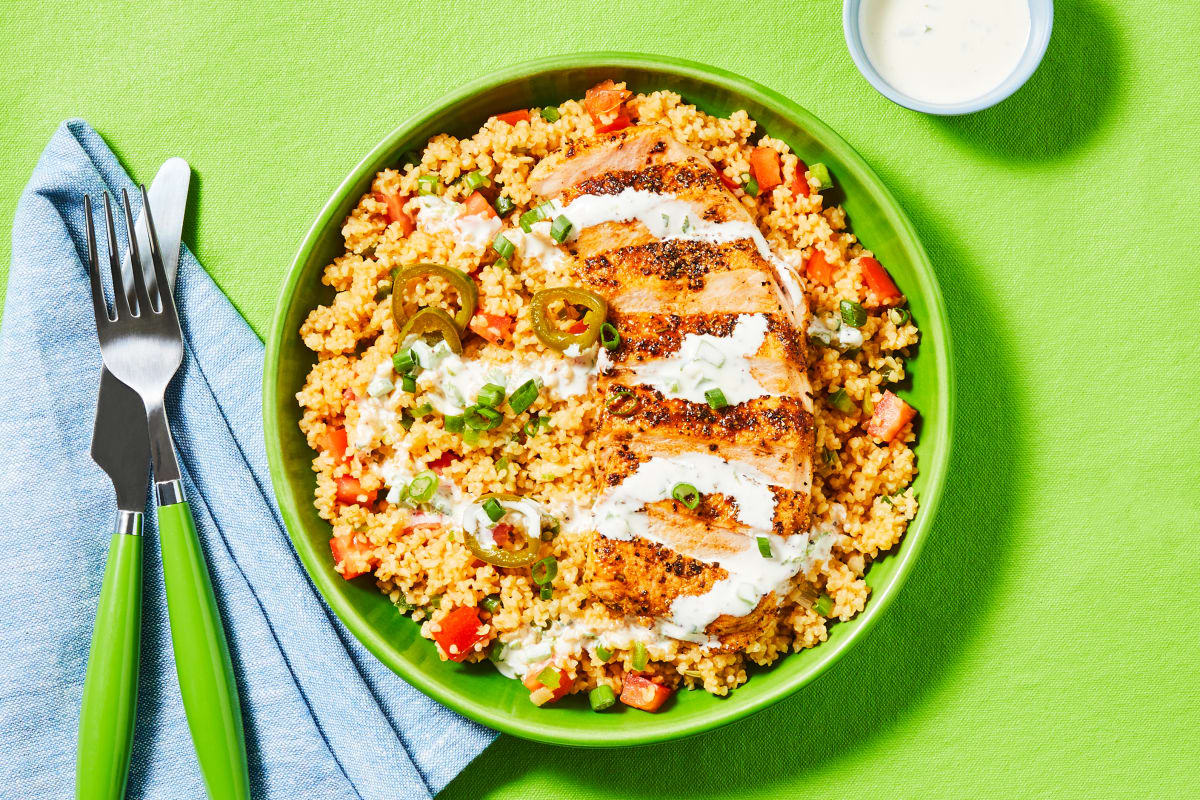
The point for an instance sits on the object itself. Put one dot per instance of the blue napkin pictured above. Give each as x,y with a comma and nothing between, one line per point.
323,718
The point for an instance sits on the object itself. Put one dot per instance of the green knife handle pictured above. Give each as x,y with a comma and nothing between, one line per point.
210,696
110,687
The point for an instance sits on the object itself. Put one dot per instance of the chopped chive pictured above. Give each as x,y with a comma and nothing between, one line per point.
524,396
453,423
503,246
490,603
409,384
550,114
476,180
841,401
666,218
764,547
493,509
853,314
502,464
610,337
640,656
490,395
687,223
824,605
716,399
560,229
687,494
543,571
482,418
750,185
404,361
504,205
821,173
602,697
550,678
422,410
429,184
423,487
547,592
603,653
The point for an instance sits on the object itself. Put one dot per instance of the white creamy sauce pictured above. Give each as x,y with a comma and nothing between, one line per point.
944,51
436,214
707,362
529,646
832,332
536,245
667,217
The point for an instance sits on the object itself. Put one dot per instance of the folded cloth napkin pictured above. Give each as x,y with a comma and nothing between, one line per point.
323,718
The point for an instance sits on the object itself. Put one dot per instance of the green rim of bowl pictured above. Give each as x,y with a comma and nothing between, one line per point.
478,691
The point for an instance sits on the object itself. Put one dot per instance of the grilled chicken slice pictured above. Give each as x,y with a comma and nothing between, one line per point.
628,149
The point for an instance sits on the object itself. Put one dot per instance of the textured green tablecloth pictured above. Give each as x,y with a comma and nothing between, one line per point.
1047,645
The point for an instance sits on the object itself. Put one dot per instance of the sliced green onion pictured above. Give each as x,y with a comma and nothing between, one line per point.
550,114
687,494
764,547
502,464
535,425
409,384
750,185
404,361
423,486
622,402
550,678
543,572
560,229
821,173
490,603
503,246
547,592
527,219
523,397
899,316
853,314
828,456
490,395
504,205
406,420
493,509
610,337
550,528
640,656
603,653
496,650
841,401
422,410
476,179
824,605
435,601
716,398
602,697
482,418
429,184
454,423
470,436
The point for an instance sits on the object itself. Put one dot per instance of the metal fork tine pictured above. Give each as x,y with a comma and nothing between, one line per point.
98,304
135,259
120,303
166,298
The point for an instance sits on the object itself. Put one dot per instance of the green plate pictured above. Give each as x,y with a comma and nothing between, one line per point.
478,691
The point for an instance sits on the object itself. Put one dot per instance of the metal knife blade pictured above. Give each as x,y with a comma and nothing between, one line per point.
120,440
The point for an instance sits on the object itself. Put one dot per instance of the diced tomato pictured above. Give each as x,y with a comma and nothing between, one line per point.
396,212
334,441
547,694
421,526
460,632
643,693
799,181
354,557
878,280
493,327
818,268
890,417
577,327
764,163
502,533
478,204
513,117
444,460
349,489
604,103
349,396
728,181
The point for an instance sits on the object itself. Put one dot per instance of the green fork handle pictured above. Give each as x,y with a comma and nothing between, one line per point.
110,687
210,696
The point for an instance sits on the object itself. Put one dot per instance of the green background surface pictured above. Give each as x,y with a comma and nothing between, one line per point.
1047,642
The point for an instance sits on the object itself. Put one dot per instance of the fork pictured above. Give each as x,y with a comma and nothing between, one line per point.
143,348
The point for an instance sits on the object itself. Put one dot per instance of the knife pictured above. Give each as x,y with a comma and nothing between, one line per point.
121,446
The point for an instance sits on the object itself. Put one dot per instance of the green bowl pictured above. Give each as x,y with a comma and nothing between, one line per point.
477,690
